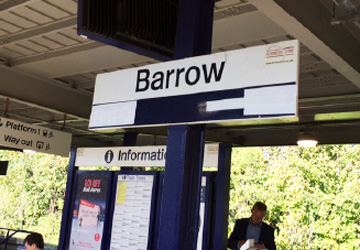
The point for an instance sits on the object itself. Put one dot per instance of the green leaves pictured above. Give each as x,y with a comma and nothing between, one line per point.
312,194
32,193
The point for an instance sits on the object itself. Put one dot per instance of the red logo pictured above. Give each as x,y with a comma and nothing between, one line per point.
277,51
97,237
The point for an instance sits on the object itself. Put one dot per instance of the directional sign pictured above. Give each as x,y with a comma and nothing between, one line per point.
143,156
16,134
253,83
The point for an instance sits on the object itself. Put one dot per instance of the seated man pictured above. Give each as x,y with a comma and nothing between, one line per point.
253,228
34,241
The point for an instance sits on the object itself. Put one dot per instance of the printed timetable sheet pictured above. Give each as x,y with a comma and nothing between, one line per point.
131,219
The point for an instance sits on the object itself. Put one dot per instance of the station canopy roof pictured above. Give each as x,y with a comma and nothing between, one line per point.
47,71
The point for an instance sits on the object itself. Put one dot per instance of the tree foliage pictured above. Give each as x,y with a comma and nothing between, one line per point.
32,193
312,194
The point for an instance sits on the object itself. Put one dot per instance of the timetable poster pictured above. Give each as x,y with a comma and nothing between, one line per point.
131,218
89,211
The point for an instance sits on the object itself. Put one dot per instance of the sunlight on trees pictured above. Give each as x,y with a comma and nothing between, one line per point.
32,193
312,193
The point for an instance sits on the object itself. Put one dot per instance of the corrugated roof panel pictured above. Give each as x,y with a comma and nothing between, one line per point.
34,46
67,5
18,21
8,27
277,39
71,33
316,87
254,43
47,42
3,32
65,40
31,15
313,66
9,53
48,9
19,49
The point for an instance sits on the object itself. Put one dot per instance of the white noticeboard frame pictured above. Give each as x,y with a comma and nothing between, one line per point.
136,156
254,83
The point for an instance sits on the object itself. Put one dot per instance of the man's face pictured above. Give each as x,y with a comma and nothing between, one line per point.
257,216
30,247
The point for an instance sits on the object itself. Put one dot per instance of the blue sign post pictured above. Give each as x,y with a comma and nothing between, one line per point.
66,216
180,201
179,218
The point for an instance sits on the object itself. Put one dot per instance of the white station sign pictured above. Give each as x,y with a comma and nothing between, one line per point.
252,83
16,134
140,156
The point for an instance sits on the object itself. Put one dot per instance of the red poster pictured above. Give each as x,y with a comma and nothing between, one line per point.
89,211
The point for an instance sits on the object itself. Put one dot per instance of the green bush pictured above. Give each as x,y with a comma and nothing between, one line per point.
312,194
32,193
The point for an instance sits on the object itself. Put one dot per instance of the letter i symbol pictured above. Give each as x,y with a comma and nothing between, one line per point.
109,155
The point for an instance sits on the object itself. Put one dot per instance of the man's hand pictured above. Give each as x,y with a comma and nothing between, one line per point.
260,246
241,242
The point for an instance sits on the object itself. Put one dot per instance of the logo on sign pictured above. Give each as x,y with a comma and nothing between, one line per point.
279,54
278,51
109,156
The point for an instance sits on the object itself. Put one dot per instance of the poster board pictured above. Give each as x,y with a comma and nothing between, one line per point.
90,206
132,209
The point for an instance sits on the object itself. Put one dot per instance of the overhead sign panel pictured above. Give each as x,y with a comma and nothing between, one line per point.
16,134
253,83
143,156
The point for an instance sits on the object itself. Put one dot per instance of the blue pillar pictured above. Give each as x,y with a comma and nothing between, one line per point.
179,215
180,201
129,138
194,28
67,213
222,194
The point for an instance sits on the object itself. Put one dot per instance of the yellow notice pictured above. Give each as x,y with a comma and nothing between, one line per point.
121,192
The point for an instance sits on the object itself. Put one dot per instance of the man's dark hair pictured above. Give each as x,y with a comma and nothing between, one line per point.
35,238
260,206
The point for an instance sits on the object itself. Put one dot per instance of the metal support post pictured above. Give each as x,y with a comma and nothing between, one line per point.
221,213
180,202
67,213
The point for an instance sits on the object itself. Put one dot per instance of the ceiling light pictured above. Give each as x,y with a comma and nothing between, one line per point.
307,140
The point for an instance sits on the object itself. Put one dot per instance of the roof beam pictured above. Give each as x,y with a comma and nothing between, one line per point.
6,5
87,46
39,30
44,93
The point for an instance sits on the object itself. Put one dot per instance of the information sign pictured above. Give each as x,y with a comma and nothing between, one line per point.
145,156
16,134
252,83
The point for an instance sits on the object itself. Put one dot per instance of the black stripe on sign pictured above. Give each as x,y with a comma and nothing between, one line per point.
191,108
